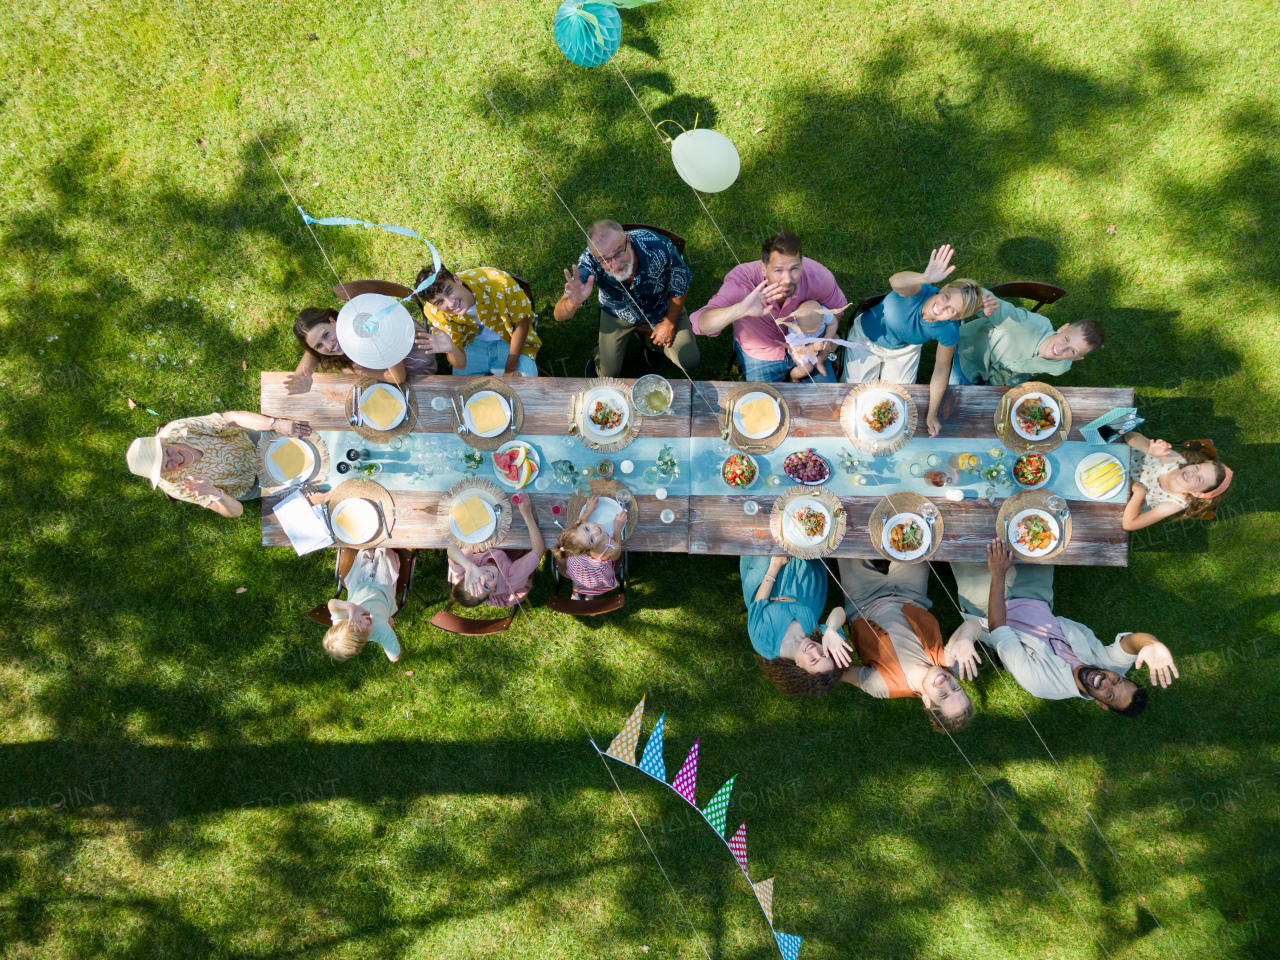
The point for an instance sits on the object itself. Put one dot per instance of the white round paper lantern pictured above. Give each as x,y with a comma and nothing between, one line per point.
372,335
706,160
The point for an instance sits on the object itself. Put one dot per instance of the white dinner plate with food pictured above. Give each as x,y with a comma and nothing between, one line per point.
605,412
382,407
1100,475
472,518
491,408
1034,532
606,511
881,415
807,522
289,459
1035,417
525,468
355,521
749,406
906,537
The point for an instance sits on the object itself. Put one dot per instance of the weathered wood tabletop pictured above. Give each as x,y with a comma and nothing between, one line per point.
716,523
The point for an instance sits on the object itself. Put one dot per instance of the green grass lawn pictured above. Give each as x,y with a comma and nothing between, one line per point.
184,774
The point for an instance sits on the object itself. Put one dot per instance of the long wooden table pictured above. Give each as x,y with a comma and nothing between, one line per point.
714,523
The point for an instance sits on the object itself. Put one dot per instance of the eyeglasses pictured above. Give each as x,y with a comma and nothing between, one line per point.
611,260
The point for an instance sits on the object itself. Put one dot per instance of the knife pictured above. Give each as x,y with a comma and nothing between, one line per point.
354,419
382,517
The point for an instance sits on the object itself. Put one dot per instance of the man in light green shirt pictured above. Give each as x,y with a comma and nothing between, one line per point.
1014,345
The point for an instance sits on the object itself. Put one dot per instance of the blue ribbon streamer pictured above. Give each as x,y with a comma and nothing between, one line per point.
390,228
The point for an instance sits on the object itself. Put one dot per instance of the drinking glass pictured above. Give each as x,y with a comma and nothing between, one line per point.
541,483
933,460
1058,506
439,403
623,496
651,475
397,443
929,512
667,515
751,508
557,512
916,468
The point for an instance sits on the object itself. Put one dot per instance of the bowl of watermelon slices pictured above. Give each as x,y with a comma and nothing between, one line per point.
515,463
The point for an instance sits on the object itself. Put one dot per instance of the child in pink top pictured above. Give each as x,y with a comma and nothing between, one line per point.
500,578
586,552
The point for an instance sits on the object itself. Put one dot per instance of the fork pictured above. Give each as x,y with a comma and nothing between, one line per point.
457,410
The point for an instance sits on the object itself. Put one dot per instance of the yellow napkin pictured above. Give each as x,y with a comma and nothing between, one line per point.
290,458
347,524
470,515
382,408
487,413
759,415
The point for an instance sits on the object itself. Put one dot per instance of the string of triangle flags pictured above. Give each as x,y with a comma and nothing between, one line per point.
623,749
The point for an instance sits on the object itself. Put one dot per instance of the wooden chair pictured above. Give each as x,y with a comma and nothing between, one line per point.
1041,293
450,622
353,288
342,566
593,606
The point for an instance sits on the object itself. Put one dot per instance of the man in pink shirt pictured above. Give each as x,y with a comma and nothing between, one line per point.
754,296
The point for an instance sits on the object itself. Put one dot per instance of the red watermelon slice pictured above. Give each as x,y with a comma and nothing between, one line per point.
505,463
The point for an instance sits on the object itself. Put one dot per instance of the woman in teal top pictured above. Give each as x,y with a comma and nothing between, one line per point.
784,600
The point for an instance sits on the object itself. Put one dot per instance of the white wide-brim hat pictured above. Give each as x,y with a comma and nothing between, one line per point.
146,457
372,335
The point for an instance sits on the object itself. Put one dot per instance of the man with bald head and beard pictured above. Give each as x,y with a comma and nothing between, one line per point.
642,280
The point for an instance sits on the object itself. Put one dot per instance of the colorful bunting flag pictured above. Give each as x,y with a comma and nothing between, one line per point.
738,847
687,778
624,744
764,893
718,807
789,945
651,763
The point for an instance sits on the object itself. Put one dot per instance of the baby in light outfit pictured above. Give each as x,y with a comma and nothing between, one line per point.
809,320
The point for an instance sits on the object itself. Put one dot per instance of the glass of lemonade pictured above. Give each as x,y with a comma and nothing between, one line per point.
651,395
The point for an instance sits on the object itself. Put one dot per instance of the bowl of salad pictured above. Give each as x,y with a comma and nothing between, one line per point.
739,470
806,467
1032,471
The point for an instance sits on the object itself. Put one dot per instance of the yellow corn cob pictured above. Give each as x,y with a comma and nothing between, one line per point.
1106,466
1105,480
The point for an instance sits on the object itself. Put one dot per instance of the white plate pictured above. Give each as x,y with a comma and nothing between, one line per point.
273,468
920,551
530,453
471,424
748,398
604,514
1013,533
609,395
791,530
1091,461
868,402
1048,472
1049,402
485,532
399,398
362,514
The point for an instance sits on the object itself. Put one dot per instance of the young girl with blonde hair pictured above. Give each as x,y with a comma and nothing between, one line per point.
586,552
366,614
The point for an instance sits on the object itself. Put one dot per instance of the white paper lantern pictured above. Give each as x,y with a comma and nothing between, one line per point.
706,160
372,335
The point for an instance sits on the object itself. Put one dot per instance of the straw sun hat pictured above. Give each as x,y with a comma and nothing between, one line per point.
146,457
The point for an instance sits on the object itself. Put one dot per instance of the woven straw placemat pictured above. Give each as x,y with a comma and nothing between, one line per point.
382,436
1010,400
364,489
903,501
606,488
576,416
818,550
849,409
517,413
319,468
1024,500
729,430
488,491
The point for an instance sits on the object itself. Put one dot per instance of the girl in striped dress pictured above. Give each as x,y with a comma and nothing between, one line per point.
586,553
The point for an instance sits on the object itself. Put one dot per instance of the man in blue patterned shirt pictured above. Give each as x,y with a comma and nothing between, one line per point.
641,279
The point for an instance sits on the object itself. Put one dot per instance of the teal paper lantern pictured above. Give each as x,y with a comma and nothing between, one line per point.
587,33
